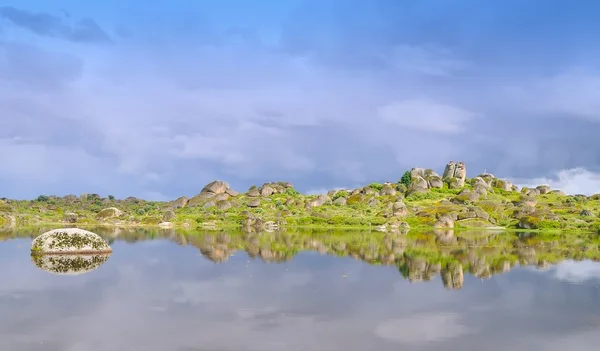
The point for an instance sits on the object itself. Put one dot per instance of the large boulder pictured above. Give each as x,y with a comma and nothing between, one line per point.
435,181
319,201
399,209
110,212
502,184
69,241
179,202
70,217
268,189
544,189
417,172
455,174
215,187
444,222
387,189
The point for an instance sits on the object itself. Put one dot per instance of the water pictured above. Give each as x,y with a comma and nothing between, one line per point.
205,291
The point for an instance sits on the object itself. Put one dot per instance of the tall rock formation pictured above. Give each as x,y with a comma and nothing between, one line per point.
455,174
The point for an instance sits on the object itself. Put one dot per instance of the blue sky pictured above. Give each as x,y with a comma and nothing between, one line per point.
157,99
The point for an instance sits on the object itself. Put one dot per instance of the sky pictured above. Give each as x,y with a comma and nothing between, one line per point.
155,100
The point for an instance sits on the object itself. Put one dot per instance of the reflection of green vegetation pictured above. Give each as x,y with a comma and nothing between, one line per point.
418,255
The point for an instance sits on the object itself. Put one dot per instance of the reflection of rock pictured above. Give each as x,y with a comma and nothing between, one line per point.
69,264
69,241
217,253
445,236
420,270
453,276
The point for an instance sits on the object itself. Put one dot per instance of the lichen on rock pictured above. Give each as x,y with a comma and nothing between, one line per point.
69,241
110,212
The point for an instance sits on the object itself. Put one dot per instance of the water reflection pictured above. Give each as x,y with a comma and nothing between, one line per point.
69,264
418,256
162,290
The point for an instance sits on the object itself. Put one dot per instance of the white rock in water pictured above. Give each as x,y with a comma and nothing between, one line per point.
69,241
69,264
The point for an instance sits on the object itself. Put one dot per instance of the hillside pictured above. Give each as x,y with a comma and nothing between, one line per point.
421,198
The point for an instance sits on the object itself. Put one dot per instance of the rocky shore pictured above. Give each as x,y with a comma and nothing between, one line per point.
421,198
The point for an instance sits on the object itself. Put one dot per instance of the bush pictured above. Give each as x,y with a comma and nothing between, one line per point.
376,186
405,180
292,191
42,198
341,193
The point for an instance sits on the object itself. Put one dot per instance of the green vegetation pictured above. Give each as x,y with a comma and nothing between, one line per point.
423,202
405,180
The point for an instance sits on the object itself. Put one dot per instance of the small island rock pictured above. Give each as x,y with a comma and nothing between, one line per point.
69,241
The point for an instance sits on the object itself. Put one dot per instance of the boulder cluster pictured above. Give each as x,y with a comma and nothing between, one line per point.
422,197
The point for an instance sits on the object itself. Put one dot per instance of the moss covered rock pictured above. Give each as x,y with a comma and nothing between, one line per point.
70,217
473,223
110,212
354,199
223,205
253,203
466,196
179,202
168,216
69,241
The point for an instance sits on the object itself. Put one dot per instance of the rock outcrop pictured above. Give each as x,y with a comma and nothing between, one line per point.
431,178
69,241
455,175
502,184
70,217
179,202
214,191
110,212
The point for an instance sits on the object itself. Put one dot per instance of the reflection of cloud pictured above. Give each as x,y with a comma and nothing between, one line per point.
422,328
304,304
577,272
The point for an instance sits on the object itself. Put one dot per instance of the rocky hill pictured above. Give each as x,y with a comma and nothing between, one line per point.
421,198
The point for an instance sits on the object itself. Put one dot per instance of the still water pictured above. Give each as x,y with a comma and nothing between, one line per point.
166,290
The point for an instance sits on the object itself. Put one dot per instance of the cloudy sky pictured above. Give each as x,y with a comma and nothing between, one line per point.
155,99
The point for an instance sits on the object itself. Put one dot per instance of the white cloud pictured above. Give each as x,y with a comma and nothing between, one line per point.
422,328
577,271
571,181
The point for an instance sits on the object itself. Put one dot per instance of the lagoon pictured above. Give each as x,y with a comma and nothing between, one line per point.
186,291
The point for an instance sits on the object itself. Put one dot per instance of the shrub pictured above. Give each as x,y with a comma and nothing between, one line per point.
376,186
405,180
42,198
292,191
341,193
